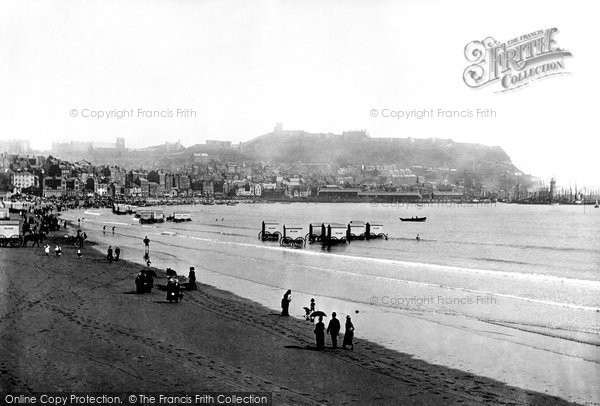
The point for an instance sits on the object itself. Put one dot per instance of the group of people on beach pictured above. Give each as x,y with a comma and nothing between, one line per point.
39,221
57,250
113,255
333,328
80,238
144,282
104,229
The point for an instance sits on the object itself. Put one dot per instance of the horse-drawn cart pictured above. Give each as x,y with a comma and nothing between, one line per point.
10,234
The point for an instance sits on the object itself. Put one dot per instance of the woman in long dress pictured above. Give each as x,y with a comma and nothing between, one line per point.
192,279
348,334
320,333
285,303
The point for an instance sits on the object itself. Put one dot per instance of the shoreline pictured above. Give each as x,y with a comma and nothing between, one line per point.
507,352
241,343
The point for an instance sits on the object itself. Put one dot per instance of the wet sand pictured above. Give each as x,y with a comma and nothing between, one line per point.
74,324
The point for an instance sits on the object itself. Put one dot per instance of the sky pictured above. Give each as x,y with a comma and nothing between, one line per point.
69,68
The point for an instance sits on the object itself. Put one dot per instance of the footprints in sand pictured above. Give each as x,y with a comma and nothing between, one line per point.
9,381
415,373
142,357
233,377
3,368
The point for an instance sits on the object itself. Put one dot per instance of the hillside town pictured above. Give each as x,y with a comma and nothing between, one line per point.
49,176
211,175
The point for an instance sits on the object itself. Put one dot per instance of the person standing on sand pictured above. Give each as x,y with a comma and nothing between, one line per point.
47,249
117,253
139,283
104,229
109,253
192,279
312,309
320,333
25,227
113,229
285,303
173,290
146,247
333,328
348,334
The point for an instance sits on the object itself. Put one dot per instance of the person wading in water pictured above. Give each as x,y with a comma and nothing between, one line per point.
146,247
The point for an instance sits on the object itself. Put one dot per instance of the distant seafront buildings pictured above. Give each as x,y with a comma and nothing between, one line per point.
282,164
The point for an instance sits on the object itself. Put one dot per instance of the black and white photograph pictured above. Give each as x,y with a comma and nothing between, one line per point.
278,202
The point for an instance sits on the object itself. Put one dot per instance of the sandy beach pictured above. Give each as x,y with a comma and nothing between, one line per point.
73,324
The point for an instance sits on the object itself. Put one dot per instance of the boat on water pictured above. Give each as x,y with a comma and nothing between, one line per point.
413,218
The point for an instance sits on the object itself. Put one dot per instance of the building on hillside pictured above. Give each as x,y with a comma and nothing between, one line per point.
208,188
54,186
73,187
20,147
85,147
101,189
114,190
298,191
154,189
144,186
132,178
201,158
232,168
218,144
133,191
221,188
22,179
184,183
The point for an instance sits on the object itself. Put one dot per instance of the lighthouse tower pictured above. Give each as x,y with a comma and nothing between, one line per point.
552,189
